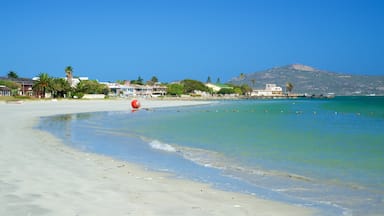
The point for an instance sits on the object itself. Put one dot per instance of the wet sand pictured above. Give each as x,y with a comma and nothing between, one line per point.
39,175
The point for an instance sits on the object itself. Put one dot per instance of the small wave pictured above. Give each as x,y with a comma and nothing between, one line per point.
203,157
155,144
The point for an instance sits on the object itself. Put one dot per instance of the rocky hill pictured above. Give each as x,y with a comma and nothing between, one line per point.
306,79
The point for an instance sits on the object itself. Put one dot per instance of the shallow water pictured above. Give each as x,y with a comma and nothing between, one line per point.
322,153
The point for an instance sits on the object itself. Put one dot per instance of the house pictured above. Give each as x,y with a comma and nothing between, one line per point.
159,90
26,85
269,91
74,81
133,90
118,89
142,90
5,91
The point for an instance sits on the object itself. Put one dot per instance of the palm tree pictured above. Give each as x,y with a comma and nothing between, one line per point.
289,87
253,82
42,84
60,87
69,74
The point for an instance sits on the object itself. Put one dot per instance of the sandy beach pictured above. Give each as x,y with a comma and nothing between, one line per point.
39,175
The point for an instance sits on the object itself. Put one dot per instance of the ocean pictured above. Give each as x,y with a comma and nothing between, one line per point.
322,153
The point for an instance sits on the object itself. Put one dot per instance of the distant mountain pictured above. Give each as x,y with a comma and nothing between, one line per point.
306,79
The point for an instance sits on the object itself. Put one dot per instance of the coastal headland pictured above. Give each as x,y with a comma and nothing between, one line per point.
39,175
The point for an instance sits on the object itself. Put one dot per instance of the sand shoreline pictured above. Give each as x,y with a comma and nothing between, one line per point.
39,175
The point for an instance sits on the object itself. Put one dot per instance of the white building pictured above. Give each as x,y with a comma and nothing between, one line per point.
131,90
76,80
118,89
5,91
270,90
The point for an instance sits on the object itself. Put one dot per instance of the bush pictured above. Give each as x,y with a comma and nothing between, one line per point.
192,85
175,89
78,95
226,91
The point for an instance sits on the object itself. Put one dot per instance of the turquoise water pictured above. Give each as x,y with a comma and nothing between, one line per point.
327,154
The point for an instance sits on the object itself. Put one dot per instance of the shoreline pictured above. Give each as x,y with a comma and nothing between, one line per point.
40,175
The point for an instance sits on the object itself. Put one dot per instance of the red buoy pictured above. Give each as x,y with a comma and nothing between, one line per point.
135,104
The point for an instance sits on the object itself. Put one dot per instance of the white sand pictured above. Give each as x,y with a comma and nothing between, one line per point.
41,176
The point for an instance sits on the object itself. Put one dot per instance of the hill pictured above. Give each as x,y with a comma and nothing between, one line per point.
306,79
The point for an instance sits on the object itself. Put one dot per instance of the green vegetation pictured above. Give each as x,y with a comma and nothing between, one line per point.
190,86
69,87
289,87
253,81
225,91
12,74
153,81
235,89
242,89
15,98
7,98
60,88
175,89
42,85
10,84
139,81
121,82
90,87
69,71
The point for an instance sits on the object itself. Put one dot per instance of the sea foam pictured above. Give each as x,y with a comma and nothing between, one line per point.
155,144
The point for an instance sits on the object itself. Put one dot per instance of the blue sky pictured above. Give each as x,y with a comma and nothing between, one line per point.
175,39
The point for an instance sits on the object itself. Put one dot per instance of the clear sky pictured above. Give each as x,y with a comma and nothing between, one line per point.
176,39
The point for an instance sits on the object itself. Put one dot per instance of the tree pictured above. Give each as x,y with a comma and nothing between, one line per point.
60,87
246,89
226,91
242,76
69,70
289,87
152,81
12,74
209,79
121,82
241,90
253,82
175,89
69,74
218,80
139,81
12,85
42,84
91,87
191,85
